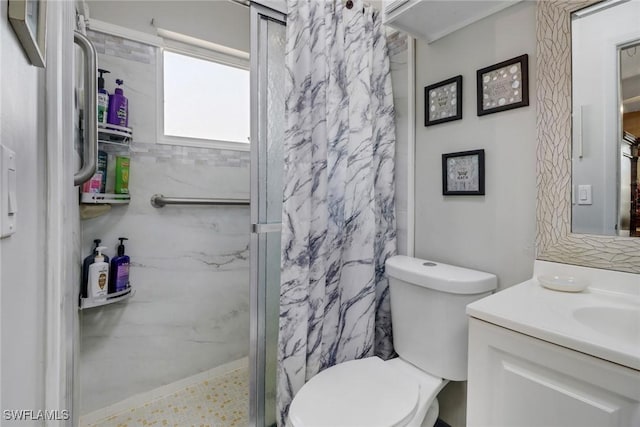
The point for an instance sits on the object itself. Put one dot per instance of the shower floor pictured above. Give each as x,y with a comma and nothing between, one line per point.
215,398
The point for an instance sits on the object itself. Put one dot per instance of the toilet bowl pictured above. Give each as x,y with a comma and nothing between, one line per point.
428,302
368,392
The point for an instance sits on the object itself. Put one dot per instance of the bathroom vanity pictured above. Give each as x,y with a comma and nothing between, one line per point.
540,357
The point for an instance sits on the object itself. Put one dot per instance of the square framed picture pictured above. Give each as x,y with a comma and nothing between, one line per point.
503,86
463,173
443,101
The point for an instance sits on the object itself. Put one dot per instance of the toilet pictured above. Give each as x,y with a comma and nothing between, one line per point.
428,301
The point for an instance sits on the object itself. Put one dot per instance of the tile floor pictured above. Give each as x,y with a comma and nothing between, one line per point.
216,401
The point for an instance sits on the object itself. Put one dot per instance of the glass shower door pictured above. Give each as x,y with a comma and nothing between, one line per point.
267,135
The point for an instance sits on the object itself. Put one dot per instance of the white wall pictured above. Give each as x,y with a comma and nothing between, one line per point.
495,232
221,22
22,256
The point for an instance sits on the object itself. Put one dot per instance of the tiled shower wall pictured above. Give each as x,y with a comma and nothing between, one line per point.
189,265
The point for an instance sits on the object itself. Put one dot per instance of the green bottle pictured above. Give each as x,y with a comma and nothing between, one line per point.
122,175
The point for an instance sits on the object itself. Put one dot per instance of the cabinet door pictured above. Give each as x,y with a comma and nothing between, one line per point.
517,380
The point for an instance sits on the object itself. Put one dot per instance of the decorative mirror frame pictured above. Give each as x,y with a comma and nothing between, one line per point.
554,239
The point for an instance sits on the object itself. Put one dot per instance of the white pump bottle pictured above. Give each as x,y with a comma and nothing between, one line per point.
99,276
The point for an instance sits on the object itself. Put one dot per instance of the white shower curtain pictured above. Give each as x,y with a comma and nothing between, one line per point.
338,212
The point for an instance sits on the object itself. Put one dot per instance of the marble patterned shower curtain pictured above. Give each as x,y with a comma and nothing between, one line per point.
338,212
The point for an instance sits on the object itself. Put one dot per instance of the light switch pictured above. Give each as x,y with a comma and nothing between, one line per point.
8,196
584,195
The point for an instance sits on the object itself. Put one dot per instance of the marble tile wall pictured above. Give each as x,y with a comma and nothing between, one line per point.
136,65
189,265
115,46
162,153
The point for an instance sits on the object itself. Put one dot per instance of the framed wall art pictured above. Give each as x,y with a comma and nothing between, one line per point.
463,173
443,101
28,19
503,86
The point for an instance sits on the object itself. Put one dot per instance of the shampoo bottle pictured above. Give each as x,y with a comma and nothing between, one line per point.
118,107
85,268
98,182
103,99
119,280
122,175
98,276
94,184
103,160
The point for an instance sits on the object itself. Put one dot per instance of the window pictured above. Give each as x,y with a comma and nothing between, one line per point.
204,101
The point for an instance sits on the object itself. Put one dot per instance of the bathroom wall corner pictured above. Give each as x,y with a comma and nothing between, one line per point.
453,404
495,232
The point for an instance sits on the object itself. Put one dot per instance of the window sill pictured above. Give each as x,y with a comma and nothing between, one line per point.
204,143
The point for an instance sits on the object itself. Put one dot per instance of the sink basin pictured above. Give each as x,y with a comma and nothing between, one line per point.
617,322
602,321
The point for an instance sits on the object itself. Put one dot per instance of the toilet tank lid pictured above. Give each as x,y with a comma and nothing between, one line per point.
439,276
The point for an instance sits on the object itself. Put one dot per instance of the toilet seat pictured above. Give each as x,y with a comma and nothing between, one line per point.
364,393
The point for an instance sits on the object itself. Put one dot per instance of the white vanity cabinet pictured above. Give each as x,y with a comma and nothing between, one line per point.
518,380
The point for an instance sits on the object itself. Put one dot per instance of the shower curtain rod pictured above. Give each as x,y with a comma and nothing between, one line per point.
247,3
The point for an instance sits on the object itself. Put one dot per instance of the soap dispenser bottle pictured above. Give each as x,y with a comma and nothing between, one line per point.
118,107
119,280
103,99
85,268
99,276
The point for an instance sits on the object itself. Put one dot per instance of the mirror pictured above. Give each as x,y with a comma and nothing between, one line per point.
630,94
605,118
555,240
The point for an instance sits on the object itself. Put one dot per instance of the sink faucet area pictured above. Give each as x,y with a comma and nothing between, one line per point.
621,323
602,321
543,357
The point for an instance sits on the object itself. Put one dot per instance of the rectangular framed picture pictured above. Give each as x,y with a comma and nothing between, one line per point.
28,19
463,173
443,101
503,86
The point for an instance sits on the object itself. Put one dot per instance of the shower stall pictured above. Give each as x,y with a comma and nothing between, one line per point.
197,341
205,317
267,135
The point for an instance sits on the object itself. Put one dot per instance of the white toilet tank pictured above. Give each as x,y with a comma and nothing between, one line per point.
428,301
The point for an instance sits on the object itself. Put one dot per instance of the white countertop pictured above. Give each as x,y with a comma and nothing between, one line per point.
550,315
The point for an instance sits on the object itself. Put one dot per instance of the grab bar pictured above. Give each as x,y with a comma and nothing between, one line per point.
159,201
90,139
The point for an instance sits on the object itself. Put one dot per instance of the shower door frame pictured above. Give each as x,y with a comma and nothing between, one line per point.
257,333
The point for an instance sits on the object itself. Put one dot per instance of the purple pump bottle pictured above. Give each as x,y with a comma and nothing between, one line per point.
118,107
119,280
